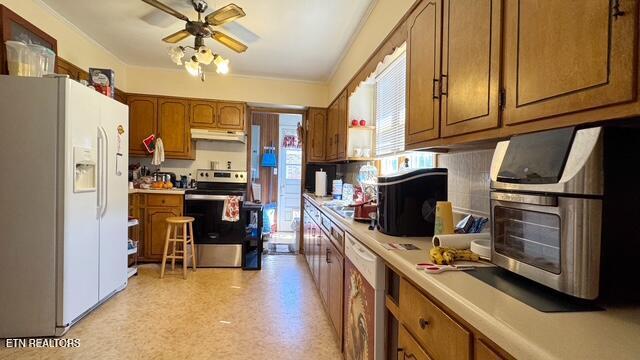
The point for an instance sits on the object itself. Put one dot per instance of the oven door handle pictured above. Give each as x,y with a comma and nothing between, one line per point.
541,200
209,197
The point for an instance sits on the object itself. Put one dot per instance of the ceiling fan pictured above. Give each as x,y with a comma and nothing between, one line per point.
202,55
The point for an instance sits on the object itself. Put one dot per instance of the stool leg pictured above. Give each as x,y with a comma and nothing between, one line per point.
175,237
193,247
184,250
166,248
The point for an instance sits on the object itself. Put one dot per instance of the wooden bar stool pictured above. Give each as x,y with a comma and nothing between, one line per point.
173,223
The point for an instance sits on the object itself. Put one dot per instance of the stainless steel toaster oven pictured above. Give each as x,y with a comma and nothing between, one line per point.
557,215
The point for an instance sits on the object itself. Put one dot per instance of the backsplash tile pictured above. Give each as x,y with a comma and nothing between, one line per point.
468,180
206,151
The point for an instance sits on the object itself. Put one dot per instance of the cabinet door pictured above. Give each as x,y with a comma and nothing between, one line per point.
317,249
470,66
142,122
408,348
120,96
173,127
563,57
336,289
342,126
423,72
324,268
156,230
203,114
332,132
317,119
64,67
484,352
230,116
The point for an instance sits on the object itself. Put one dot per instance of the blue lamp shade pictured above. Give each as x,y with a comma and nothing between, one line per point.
269,158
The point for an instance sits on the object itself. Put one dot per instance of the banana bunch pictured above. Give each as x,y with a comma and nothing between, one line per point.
441,255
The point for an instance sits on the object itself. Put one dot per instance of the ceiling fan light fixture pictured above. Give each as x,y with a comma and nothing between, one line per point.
204,55
176,54
222,65
193,67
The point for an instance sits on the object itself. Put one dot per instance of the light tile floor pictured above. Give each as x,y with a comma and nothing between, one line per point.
275,313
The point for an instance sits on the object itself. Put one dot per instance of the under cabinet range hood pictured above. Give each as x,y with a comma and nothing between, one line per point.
218,135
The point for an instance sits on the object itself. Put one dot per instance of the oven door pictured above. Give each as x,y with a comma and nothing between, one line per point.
552,240
208,227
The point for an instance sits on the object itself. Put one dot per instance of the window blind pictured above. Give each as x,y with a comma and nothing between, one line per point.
390,107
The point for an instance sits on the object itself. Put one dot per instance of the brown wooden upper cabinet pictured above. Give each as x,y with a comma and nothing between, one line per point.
470,80
173,127
167,118
563,58
217,115
336,146
423,74
316,128
332,132
203,114
342,126
231,116
142,122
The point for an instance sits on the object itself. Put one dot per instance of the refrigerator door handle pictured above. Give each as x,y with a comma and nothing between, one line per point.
103,173
99,172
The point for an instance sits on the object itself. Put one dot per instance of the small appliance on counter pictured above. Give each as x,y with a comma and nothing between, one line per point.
407,201
563,205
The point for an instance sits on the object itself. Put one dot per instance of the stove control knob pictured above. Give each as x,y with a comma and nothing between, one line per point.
206,174
201,174
241,175
236,176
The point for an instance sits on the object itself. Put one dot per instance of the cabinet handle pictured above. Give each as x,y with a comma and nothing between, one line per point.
423,323
406,356
444,85
616,9
436,88
327,256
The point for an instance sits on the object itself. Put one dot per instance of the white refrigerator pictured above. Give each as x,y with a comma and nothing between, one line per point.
63,218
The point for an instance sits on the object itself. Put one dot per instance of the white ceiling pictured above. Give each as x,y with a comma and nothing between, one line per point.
293,39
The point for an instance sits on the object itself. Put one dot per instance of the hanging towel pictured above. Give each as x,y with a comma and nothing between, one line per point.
231,210
158,154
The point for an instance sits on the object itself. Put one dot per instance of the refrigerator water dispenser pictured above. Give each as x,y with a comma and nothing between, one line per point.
85,168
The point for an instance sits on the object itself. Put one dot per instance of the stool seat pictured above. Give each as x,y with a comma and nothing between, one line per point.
184,239
179,219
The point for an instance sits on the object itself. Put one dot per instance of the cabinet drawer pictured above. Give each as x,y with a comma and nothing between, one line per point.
408,348
441,336
337,236
164,200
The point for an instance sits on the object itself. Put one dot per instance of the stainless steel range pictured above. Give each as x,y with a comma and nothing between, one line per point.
218,242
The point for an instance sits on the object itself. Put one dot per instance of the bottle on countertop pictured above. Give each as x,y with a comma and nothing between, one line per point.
189,180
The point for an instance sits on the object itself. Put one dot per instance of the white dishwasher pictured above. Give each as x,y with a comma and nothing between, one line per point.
364,325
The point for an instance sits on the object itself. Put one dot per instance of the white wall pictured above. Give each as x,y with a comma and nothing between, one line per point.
206,151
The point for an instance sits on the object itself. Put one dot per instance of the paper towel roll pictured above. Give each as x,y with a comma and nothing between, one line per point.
458,241
444,218
321,183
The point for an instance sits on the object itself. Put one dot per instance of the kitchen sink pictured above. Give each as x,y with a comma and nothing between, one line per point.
346,212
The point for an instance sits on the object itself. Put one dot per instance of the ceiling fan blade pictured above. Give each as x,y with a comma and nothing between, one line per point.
228,41
224,15
158,5
177,36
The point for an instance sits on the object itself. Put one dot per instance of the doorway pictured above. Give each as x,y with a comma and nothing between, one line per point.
276,176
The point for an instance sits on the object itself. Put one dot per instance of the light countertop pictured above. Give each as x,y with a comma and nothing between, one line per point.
522,331
173,191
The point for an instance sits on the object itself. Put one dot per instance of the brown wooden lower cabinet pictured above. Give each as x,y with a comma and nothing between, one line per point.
152,210
425,330
408,348
326,263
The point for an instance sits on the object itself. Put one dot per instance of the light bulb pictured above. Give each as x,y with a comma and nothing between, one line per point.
193,67
222,65
176,54
204,55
